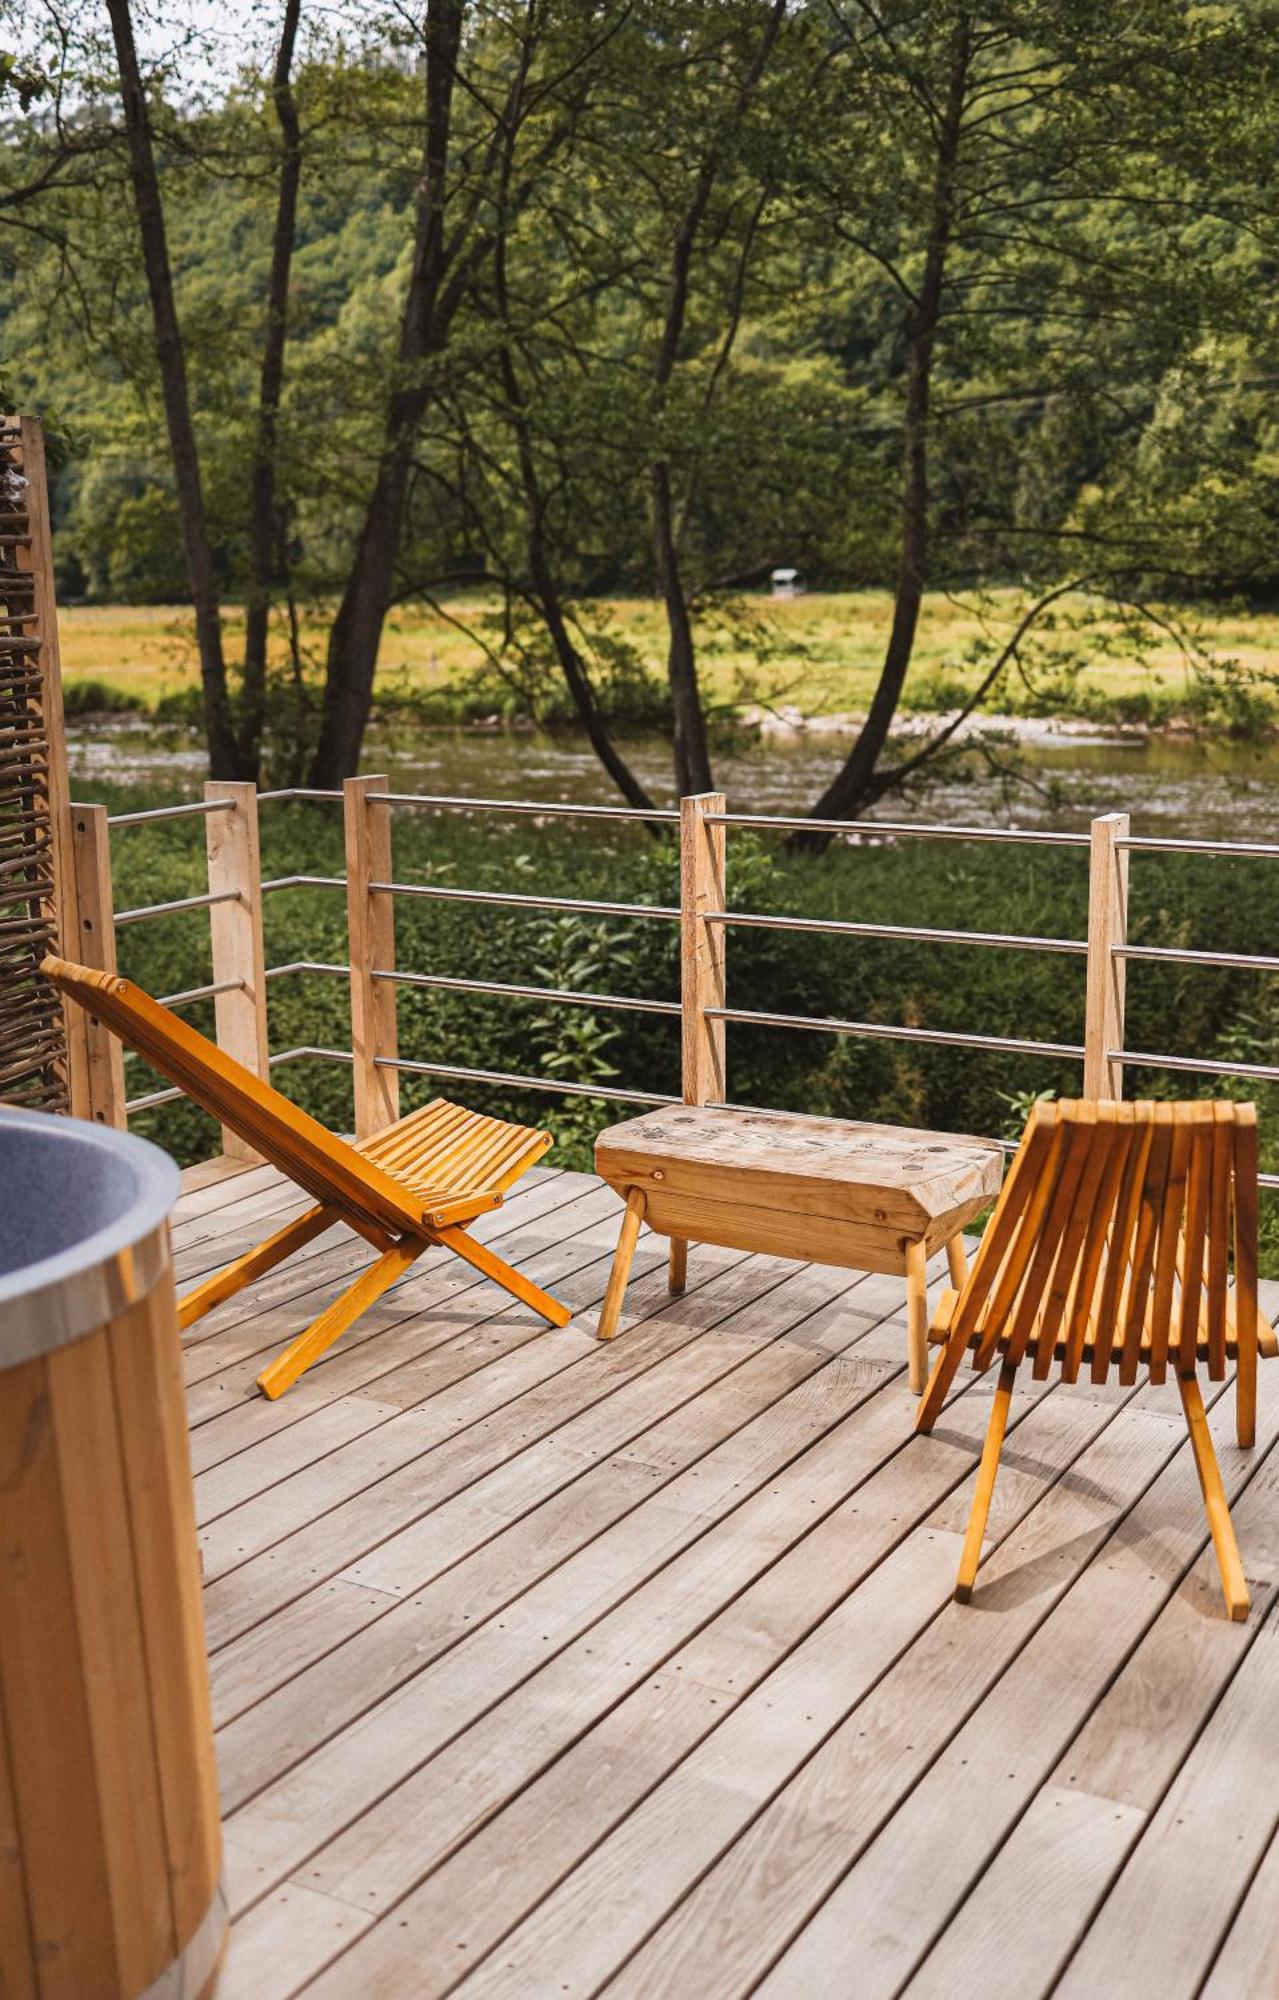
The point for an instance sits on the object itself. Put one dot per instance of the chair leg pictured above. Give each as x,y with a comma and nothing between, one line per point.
986,1471
1246,1396
1216,1506
957,1260
679,1264
368,1288
225,1284
463,1245
917,1316
627,1238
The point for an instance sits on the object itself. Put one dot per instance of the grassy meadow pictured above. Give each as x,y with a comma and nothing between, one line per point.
819,653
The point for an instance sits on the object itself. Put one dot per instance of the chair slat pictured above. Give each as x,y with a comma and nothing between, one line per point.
1115,1283
1104,1135
1083,1301
1154,1182
1198,1178
1161,1302
1035,1305
1222,1169
1245,1299
1024,1212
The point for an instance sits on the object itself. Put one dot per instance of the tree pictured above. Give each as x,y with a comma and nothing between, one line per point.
232,752
1031,192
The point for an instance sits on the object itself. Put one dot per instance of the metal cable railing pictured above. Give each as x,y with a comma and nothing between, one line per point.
887,1031
563,996
148,910
1159,844
909,933
543,808
745,919
557,1085
194,993
899,829
195,809
1237,961
504,899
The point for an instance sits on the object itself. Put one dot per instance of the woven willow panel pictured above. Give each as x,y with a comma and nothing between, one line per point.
33,1053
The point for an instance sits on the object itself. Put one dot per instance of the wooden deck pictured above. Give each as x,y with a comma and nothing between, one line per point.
544,1667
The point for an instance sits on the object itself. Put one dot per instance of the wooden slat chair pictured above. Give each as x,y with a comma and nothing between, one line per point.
1108,1249
419,1182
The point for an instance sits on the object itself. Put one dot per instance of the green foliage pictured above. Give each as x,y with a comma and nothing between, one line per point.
1102,365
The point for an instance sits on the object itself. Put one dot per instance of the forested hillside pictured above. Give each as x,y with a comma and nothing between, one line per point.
576,298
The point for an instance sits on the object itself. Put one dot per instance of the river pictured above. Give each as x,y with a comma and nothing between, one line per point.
1057,776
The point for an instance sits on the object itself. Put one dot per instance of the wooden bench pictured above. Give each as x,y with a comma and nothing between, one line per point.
824,1190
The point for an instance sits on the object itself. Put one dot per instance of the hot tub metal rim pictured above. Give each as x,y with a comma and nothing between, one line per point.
63,1297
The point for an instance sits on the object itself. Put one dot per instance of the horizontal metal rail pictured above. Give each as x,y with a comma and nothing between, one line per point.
196,808
608,1093
1159,844
147,1103
204,902
306,965
838,927
194,993
302,882
1205,1065
308,1049
564,995
155,1097
296,792
544,808
789,822
1238,961
887,1031
509,900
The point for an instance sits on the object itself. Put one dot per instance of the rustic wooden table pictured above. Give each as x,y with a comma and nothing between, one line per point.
825,1190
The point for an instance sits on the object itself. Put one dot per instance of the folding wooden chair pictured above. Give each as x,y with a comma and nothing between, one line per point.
1109,1249
419,1182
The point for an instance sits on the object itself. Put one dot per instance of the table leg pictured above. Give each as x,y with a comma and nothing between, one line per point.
957,1259
628,1236
679,1264
917,1316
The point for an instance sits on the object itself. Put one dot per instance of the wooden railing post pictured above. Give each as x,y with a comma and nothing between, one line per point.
90,937
371,932
702,957
235,930
1107,927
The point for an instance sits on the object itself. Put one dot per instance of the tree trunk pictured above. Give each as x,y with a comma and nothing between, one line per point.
357,628
540,565
692,755
263,525
224,761
853,788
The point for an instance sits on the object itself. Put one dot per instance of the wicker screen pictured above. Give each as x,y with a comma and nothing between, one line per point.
33,1053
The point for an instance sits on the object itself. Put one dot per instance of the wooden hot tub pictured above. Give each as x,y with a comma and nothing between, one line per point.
110,1847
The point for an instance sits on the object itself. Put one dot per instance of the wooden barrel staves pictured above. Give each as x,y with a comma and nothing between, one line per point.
110,1845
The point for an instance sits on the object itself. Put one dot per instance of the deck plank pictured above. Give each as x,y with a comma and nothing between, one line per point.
1003,1756
841,1726
461,1585
541,1666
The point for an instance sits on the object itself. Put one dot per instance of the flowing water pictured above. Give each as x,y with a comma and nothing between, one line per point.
1051,775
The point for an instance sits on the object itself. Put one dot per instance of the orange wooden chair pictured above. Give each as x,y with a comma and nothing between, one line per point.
1108,1249
419,1182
